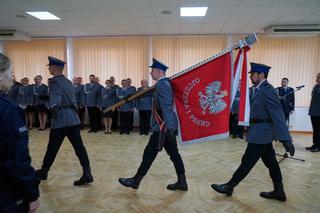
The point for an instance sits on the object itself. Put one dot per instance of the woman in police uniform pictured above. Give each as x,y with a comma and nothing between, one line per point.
19,190
108,98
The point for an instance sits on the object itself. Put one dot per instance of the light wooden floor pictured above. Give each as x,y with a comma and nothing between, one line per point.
114,156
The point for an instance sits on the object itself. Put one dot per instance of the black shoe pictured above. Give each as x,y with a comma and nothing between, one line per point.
146,133
141,133
223,189
241,137
128,133
91,130
181,184
315,149
310,147
121,133
85,179
133,182
42,174
234,136
276,194
273,195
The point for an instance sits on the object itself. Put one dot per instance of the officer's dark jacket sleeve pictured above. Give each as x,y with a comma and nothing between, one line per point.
276,114
165,95
17,162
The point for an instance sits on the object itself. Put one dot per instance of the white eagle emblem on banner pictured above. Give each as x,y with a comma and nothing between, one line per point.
212,99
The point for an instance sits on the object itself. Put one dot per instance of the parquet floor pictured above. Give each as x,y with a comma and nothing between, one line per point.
113,156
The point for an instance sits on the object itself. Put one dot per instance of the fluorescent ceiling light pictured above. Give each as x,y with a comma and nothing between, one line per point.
44,15
193,11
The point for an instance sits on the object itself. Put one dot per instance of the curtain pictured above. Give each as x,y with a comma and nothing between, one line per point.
30,58
118,57
295,58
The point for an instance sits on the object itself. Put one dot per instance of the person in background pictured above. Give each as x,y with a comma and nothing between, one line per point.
40,90
79,94
236,129
108,98
124,110
19,186
115,112
286,97
13,93
144,105
314,113
132,90
92,96
26,101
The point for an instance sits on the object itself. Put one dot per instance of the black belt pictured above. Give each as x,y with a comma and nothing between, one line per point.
255,121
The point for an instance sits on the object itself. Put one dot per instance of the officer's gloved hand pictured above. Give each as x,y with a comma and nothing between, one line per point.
288,146
54,111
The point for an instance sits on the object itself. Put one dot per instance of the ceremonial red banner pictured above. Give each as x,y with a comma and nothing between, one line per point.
202,100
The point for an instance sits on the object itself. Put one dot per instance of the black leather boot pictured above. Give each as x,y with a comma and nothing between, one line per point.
277,193
133,182
223,188
42,173
181,184
85,179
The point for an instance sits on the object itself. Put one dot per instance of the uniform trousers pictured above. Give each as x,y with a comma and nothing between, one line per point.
114,120
151,152
315,120
251,156
125,122
56,138
144,117
94,118
81,112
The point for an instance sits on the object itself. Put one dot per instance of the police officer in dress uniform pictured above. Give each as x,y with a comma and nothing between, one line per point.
286,97
267,123
144,105
65,122
132,90
108,98
92,96
124,110
314,113
163,107
115,112
13,93
236,130
39,91
26,101
79,95
19,190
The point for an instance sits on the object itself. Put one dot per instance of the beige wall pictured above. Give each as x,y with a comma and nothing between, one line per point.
30,58
105,57
296,58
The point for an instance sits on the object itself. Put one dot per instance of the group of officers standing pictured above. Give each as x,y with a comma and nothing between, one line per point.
92,97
